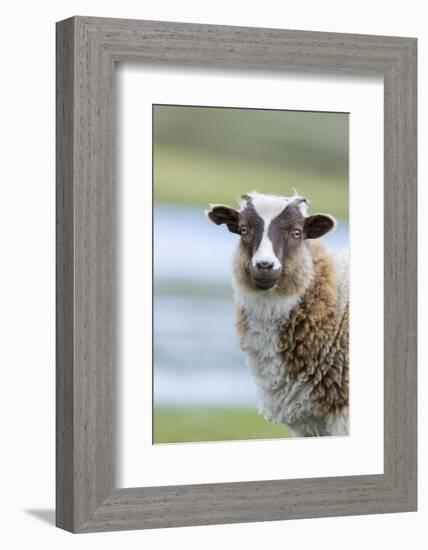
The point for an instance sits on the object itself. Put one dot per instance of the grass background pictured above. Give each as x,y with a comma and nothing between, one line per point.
198,180
192,424
210,155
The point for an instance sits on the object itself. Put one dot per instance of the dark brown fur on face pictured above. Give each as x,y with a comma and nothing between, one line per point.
287,232
253,224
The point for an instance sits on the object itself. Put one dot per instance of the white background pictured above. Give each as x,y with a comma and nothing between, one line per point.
362,452
27,273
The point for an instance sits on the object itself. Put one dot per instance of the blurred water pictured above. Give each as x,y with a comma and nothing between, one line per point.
197,360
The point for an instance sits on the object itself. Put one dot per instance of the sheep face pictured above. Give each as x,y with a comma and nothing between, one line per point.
273,232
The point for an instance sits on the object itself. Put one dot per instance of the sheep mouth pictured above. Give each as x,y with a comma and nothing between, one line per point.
264,283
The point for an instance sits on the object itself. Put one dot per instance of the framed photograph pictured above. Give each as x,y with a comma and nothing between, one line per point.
236,274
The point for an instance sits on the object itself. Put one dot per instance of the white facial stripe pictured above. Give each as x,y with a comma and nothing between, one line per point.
265,252
268,207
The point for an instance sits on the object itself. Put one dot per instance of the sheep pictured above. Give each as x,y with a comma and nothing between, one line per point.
292,310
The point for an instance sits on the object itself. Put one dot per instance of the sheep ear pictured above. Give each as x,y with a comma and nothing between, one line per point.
318,225
221,213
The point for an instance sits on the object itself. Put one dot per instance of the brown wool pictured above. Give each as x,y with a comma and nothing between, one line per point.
314,341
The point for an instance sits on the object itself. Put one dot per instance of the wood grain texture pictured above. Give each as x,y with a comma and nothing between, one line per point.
64,277
87,50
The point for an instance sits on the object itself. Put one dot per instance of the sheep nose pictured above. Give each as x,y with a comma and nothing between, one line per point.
264,265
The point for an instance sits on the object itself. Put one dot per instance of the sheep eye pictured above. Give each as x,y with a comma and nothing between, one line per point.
296,233
243,230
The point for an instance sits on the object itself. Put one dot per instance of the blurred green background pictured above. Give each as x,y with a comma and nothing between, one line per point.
202,388
208,423
204,155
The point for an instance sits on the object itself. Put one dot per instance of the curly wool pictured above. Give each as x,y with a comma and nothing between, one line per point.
314,342
298,352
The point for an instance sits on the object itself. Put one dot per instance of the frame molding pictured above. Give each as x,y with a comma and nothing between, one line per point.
87,50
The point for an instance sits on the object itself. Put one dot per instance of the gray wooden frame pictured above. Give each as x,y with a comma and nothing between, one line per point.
87,50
